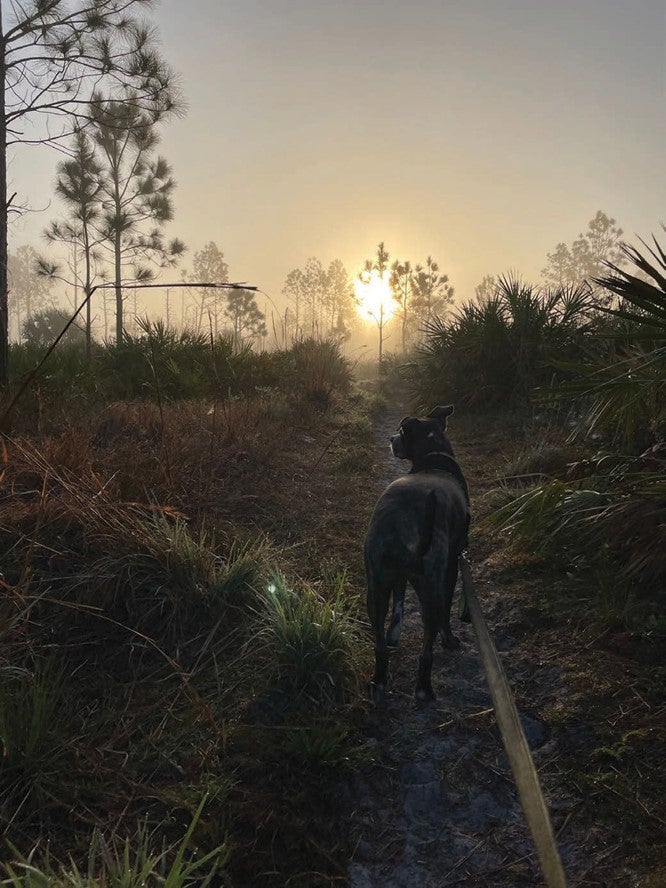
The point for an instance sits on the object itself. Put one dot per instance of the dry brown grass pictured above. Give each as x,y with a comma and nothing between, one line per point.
115,535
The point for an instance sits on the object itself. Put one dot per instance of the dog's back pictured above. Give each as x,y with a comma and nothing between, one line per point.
418,520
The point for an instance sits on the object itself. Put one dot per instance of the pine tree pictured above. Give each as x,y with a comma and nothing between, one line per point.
136,190
78,186
53,55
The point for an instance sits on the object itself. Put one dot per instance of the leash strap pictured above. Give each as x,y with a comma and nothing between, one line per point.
515,744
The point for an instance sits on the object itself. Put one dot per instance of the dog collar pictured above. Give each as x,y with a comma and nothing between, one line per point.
439,461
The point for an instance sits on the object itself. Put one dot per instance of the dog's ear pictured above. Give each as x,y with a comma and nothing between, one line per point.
441,413
408,424
407,428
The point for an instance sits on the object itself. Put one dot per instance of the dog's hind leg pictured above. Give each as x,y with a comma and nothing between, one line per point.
450,578
397,617
378,601
431,610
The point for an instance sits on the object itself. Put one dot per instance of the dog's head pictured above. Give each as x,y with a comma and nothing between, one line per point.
416,438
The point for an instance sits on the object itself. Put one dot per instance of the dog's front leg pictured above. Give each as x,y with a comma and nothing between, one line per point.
424,691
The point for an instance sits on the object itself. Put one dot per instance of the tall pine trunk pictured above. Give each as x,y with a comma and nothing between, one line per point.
88,287
119,291
117,260
4,305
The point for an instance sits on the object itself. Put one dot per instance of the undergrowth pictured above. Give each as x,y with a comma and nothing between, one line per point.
166,676
161,365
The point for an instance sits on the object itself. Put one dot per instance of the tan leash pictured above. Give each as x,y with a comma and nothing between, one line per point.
515,744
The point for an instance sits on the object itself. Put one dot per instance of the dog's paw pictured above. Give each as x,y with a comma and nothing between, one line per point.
376,691
425,695
449,640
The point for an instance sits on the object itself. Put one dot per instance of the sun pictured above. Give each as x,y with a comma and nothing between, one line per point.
373,295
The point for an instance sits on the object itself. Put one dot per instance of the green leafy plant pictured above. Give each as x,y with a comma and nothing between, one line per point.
495,352
611,507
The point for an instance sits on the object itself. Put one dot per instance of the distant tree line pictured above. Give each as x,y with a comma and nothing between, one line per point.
585,260
320,301
233,313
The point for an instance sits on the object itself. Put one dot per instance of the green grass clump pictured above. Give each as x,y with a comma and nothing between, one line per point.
319,368
132,863
309,643
606,526
34,737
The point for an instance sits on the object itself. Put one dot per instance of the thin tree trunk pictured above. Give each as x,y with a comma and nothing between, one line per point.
119,291
75,264
381,334
88,287
117,255
4,209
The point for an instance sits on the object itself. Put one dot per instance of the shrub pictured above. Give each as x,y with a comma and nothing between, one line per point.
318,369
161,364
494,353
609,513
42,328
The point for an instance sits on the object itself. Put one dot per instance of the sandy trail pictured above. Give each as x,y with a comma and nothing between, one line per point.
441,808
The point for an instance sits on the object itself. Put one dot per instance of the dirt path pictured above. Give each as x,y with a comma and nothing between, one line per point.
441,809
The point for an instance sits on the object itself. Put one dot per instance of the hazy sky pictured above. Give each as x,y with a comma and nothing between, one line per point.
479,131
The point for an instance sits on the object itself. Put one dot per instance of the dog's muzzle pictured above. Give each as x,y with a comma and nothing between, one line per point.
397,446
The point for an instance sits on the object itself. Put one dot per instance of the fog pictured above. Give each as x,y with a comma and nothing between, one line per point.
482,134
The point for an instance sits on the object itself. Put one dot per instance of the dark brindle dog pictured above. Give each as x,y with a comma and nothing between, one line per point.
418,529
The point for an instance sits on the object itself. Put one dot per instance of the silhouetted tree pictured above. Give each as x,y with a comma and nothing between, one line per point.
245,316
585,259
314,283
378,265
294,290
401,284
208,267
484,291
53,55
432,292
339,300
30,291
136,191
79,187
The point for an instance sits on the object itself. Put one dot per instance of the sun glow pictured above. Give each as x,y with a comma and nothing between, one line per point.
373,296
